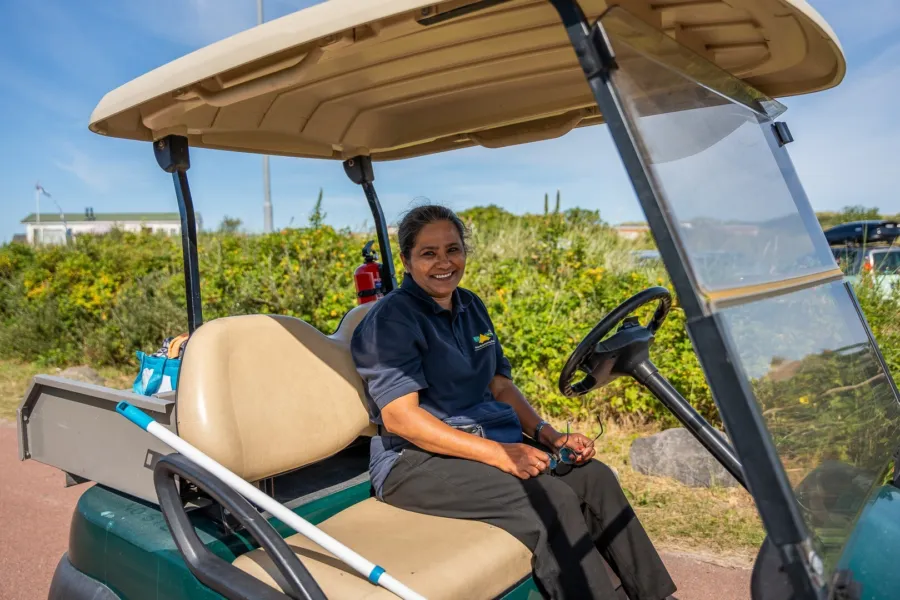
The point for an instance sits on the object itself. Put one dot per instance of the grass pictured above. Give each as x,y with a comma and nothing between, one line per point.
15,377
715,522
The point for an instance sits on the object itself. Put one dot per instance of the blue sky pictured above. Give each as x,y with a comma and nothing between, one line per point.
58,58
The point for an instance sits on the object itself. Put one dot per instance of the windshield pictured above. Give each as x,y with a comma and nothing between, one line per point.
747,233
732,209
825,399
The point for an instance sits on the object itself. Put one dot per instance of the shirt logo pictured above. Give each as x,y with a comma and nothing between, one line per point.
483,340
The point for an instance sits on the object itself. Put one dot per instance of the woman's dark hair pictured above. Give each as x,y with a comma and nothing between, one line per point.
417,218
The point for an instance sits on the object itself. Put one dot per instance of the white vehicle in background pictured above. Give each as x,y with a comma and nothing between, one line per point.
880,265
868,251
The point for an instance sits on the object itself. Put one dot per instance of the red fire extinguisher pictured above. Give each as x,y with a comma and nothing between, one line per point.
368,276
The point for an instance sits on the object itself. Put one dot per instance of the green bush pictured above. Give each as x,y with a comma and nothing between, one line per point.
546,279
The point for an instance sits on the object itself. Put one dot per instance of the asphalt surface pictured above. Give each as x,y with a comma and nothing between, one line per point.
36,508
699,579
35,511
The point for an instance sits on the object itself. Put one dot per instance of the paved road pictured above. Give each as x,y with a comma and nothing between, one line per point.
698,579
35,510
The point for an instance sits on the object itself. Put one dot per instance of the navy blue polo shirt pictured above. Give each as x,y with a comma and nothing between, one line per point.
408,343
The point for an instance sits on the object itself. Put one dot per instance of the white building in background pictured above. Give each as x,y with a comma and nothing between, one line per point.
52,227
632,231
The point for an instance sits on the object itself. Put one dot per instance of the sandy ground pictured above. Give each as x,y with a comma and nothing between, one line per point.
36,508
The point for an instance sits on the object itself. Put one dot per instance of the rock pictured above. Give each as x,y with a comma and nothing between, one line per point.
676,453
83,374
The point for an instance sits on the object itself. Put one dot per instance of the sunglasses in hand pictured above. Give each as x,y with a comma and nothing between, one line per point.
562,460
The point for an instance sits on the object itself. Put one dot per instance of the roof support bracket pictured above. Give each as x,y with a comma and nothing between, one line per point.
359,170
173,157
783,133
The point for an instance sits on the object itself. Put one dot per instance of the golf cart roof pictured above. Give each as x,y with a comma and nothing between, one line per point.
403,78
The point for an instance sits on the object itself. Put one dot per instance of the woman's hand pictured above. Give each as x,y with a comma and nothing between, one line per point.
521,460
581,445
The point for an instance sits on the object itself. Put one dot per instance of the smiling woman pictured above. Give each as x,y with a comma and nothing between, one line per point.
451,421
438,238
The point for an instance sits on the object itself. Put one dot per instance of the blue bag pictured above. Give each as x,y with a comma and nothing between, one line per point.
156,374
170,375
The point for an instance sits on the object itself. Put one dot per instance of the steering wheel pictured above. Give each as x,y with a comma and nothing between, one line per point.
604,361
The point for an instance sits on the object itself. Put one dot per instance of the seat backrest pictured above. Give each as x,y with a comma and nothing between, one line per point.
265,394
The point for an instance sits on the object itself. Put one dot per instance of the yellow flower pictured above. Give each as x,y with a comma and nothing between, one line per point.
334,313
804,400
37,291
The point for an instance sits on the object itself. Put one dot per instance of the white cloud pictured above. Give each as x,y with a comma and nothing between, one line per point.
38,91
97,173
197,23
846,139
86,170
79,56
859,21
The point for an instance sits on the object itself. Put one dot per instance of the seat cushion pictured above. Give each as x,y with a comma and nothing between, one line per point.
435,556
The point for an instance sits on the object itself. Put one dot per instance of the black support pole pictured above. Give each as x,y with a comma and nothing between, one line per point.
359,170
173,157
647,374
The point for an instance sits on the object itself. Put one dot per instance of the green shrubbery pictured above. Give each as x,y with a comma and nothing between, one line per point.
546,279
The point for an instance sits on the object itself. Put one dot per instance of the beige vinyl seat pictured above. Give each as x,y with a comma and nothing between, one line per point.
265,395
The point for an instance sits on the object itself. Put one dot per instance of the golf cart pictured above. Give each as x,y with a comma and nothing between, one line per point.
686,89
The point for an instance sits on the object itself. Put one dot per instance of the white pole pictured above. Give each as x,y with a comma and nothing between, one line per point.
37,202
65,222
367,569
267,197
267,188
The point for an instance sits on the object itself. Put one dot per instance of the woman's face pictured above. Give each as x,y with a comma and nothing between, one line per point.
438,259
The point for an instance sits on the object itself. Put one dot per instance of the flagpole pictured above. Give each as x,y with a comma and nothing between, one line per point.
267,190
37,202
